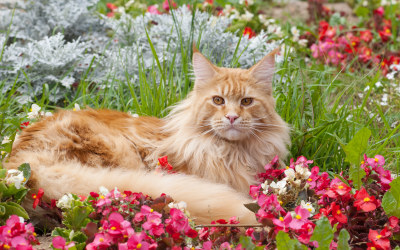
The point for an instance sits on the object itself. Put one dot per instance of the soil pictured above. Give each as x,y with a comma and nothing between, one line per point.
45,242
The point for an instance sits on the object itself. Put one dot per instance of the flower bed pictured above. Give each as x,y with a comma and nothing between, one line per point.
298,205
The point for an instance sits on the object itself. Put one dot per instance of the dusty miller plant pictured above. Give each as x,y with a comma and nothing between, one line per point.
53,43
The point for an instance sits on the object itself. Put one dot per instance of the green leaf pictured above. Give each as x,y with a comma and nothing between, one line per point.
63,232
3,173
391,199
247,243
2,210
323,233
343,241
14,208
357,146
356,173
354,151
18,197
284,242
26,169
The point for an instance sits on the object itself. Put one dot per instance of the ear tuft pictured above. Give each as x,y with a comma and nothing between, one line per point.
263,71
203,69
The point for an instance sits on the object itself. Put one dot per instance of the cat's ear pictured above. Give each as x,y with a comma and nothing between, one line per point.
203,69
263,71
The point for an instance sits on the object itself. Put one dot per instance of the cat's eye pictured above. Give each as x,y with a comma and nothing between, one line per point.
218,100
246,101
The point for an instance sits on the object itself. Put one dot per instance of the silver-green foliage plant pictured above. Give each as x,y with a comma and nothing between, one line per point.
55,44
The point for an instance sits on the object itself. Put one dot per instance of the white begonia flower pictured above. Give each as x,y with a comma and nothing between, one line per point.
129,3
247,16
250,2
21,220
366,89
34,111
290,174
180,205
308,206
6,140
303,42
234,14
295,32
65,201
15,177
279,31
228,9
390,76
302,171
395,67
76,107
378,84
265,187
103,190
279,186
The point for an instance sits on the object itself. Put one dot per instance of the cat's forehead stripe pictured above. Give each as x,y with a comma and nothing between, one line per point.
232,85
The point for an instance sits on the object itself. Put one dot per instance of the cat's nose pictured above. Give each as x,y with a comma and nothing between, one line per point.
231,118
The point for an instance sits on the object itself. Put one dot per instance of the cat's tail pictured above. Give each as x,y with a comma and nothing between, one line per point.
206,201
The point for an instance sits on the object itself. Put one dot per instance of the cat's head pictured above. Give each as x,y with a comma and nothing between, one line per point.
234,104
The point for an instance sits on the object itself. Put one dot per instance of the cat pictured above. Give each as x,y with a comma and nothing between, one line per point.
217,140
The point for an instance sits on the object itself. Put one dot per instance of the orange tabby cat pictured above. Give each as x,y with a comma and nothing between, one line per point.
218,138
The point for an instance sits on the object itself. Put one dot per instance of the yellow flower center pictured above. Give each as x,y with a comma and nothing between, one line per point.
338,212
9,231
373,248
309,209
74,109
287,167
366,199
309,179
101,239
378,236
368,53
387,31
281,218
34,196
376,159
24,180
113,228
340,187
30,110
138,246
34,234
6,246
298,217
280,202
151,210
362,162
353,43
102,197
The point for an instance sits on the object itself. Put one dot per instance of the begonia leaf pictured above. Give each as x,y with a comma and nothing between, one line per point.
3,173
2,210
284,242
391,199
344,237
323,233
26,169
14,208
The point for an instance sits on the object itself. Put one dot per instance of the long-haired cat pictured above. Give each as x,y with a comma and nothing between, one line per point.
217,139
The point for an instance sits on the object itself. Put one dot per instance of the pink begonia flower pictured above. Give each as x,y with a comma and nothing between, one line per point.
165,4
60,243
136,241
154,224
101,241
301,160
178,221
254,191
283,222
103,201
152,9
378,160
312,179
300,218
305,234
225,245
207,245
338,188
269,202
118,227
